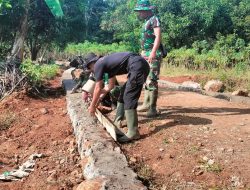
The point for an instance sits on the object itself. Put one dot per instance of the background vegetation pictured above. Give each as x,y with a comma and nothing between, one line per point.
199,34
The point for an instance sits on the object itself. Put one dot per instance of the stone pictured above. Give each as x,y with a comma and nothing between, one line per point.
240,140
67,141
236,181
161,149
221,150
52,178
214,86
117,149
171,156
61,161
44,111
55,143
36,126
205,158
240,92
200,144
72,146
200,172
210,162
74,174
206,128
171,139
197,171
102,166
191,84
45,168
52,171
132,160
72,143
230,150
94,184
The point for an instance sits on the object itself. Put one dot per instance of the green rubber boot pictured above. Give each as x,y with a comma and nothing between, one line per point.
118,118
132,124
144,107
152,112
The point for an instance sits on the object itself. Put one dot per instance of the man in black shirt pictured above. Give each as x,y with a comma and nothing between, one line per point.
114,64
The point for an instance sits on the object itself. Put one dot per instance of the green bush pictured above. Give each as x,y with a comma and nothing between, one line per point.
100,49
37,74
227,52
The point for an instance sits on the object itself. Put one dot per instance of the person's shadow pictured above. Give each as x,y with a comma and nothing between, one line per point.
175,116
172,121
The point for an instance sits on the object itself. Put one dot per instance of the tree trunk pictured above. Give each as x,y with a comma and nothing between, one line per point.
34,53
18,46
43,53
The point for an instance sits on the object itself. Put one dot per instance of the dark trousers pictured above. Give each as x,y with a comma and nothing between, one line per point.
138,70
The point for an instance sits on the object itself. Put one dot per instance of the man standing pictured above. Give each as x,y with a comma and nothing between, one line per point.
150,43
137,69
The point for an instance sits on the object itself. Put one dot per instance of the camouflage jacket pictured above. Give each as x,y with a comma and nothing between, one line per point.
147,36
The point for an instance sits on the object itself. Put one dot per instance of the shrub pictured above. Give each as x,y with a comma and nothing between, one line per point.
227,52
100,49
36,73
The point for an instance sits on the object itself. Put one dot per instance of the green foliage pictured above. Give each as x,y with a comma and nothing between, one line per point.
231,77
183,21
37,74
185,24
227,52
4,4
122,22
100,49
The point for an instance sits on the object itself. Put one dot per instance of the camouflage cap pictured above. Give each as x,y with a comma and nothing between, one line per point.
143,5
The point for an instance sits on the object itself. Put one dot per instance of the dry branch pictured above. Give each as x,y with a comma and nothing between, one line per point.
11,78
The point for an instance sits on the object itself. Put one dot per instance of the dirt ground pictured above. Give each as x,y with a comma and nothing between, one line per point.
198,142
39,125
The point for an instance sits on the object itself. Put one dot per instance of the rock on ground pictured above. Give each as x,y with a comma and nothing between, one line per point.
214,86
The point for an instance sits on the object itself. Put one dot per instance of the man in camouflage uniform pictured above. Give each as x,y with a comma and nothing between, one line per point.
150,43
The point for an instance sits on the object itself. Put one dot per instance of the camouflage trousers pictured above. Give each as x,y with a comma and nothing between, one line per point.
155,66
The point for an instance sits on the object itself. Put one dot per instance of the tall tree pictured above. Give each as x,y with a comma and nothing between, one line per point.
18,47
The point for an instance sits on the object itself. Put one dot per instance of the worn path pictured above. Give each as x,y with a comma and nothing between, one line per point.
196,143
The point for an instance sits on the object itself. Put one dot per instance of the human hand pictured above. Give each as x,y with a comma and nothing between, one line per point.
104,91
151,57
86,96
91,110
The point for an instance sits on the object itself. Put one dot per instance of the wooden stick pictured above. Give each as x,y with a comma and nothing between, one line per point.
107,124
12,90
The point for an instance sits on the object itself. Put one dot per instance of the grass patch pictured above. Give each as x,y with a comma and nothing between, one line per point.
165,141
6,120
193,149
215,167
215,188
233,79
151,125
145,173
147,176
